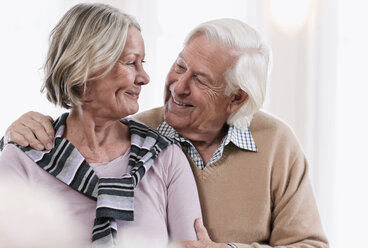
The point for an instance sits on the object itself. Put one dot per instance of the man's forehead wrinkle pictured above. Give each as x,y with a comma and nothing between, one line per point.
196,70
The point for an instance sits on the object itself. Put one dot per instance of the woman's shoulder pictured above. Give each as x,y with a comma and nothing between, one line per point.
14,161
173,160
139,128
12,152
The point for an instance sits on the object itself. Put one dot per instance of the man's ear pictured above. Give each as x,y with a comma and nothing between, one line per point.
237,100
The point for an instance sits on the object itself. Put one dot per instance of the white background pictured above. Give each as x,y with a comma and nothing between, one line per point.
318,84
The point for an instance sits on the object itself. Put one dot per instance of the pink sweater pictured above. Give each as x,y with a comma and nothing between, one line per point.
166,200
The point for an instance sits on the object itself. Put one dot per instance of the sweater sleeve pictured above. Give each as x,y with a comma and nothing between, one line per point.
295,220
183,202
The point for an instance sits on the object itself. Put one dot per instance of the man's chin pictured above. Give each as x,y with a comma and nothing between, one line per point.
171,119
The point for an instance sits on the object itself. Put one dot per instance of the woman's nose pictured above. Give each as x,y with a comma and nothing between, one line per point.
142,77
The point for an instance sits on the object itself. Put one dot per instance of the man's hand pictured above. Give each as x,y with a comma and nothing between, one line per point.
32,129
204,241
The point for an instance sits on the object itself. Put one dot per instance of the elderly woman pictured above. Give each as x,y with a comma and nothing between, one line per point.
120,179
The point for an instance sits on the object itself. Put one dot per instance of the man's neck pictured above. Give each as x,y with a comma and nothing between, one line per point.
207,143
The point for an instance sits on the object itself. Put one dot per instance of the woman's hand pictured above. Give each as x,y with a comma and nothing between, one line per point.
31,129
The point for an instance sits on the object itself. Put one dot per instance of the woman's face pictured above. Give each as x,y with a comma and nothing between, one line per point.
115,95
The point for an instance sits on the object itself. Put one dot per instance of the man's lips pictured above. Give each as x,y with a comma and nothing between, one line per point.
181,103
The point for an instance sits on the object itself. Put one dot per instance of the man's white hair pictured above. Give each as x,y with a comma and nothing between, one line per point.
251,71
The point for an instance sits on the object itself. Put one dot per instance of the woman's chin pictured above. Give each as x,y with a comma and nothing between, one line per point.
129,111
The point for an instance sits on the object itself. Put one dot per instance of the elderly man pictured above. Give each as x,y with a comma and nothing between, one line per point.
251,173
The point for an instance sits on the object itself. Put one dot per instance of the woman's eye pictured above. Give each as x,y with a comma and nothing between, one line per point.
134,63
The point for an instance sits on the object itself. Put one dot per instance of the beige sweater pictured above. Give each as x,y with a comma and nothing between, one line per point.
258,199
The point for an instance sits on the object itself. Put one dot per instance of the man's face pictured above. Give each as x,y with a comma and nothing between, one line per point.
195,103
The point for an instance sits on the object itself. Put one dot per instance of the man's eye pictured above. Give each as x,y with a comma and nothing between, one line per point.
196,78
179,68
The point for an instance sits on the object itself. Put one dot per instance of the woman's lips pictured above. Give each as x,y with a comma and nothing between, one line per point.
133,94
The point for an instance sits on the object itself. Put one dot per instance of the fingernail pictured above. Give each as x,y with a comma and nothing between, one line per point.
51,137
49,146
40,147
24,143
200,222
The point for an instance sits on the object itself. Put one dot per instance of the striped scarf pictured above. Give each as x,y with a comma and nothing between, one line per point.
114,196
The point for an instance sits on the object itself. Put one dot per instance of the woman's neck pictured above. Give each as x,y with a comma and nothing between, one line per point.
97,139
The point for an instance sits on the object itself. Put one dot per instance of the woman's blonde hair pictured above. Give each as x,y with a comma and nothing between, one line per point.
85,45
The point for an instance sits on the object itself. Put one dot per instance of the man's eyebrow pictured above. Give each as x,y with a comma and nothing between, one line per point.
182,59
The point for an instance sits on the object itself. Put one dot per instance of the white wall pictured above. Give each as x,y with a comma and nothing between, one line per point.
26,25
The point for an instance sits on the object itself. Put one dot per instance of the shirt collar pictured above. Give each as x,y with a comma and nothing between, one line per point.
241,138
168,131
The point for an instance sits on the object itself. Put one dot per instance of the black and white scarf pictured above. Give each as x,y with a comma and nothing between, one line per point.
114,196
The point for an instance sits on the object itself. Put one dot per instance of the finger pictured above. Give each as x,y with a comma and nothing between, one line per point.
15,137
24,133
50,118
44,120
45,134
33,129
201,231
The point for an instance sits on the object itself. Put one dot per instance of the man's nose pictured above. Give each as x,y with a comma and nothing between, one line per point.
182,85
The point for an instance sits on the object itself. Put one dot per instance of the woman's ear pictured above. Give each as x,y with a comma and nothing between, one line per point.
237,100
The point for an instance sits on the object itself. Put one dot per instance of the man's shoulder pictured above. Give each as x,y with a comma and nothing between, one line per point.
152,117
268,126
